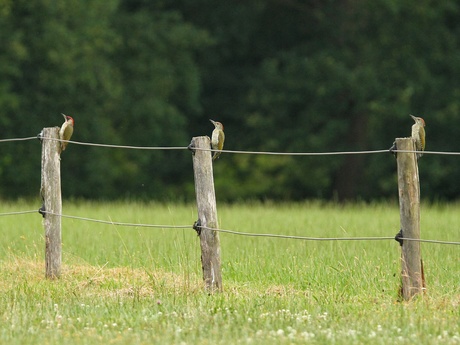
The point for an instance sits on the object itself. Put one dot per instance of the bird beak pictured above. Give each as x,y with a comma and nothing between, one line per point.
65,116
413,117
213,122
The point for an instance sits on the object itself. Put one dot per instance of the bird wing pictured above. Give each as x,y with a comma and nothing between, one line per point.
221,140
68,133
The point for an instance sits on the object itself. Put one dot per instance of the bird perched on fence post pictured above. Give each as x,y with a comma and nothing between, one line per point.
217,138
418,133
66,131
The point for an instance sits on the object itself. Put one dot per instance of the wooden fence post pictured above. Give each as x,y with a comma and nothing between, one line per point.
207,214
51,195
409,205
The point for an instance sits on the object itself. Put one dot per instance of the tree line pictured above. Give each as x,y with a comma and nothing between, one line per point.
281,75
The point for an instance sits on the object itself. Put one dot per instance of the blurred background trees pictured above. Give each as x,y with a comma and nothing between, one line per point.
281,75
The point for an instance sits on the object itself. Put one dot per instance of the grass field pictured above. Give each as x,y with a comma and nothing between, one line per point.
144,286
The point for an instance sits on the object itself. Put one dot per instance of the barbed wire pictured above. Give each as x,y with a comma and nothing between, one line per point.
274,153
233,232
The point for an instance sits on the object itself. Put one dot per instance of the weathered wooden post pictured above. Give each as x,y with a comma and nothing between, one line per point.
52,204
409,204
207,214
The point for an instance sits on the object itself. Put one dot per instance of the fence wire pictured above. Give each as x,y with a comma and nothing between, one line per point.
17,213
383,238
17,139
109,222
271,153
239,233
121,146
232,232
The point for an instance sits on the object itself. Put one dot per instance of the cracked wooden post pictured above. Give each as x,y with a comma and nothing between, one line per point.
51,196
207,214
409,204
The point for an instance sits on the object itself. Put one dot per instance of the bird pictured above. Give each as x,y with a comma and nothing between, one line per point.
66,131
217,138
418,133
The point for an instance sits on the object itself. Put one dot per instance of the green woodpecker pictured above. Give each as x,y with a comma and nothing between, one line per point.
66,131
418,133
217,138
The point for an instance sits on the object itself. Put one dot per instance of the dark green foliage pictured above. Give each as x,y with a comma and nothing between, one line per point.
281,75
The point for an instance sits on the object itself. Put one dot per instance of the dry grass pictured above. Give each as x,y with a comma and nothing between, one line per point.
87,280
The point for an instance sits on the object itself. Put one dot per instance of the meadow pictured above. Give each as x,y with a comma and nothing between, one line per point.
134,285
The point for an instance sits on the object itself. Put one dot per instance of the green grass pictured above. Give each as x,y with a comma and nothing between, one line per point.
142,286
